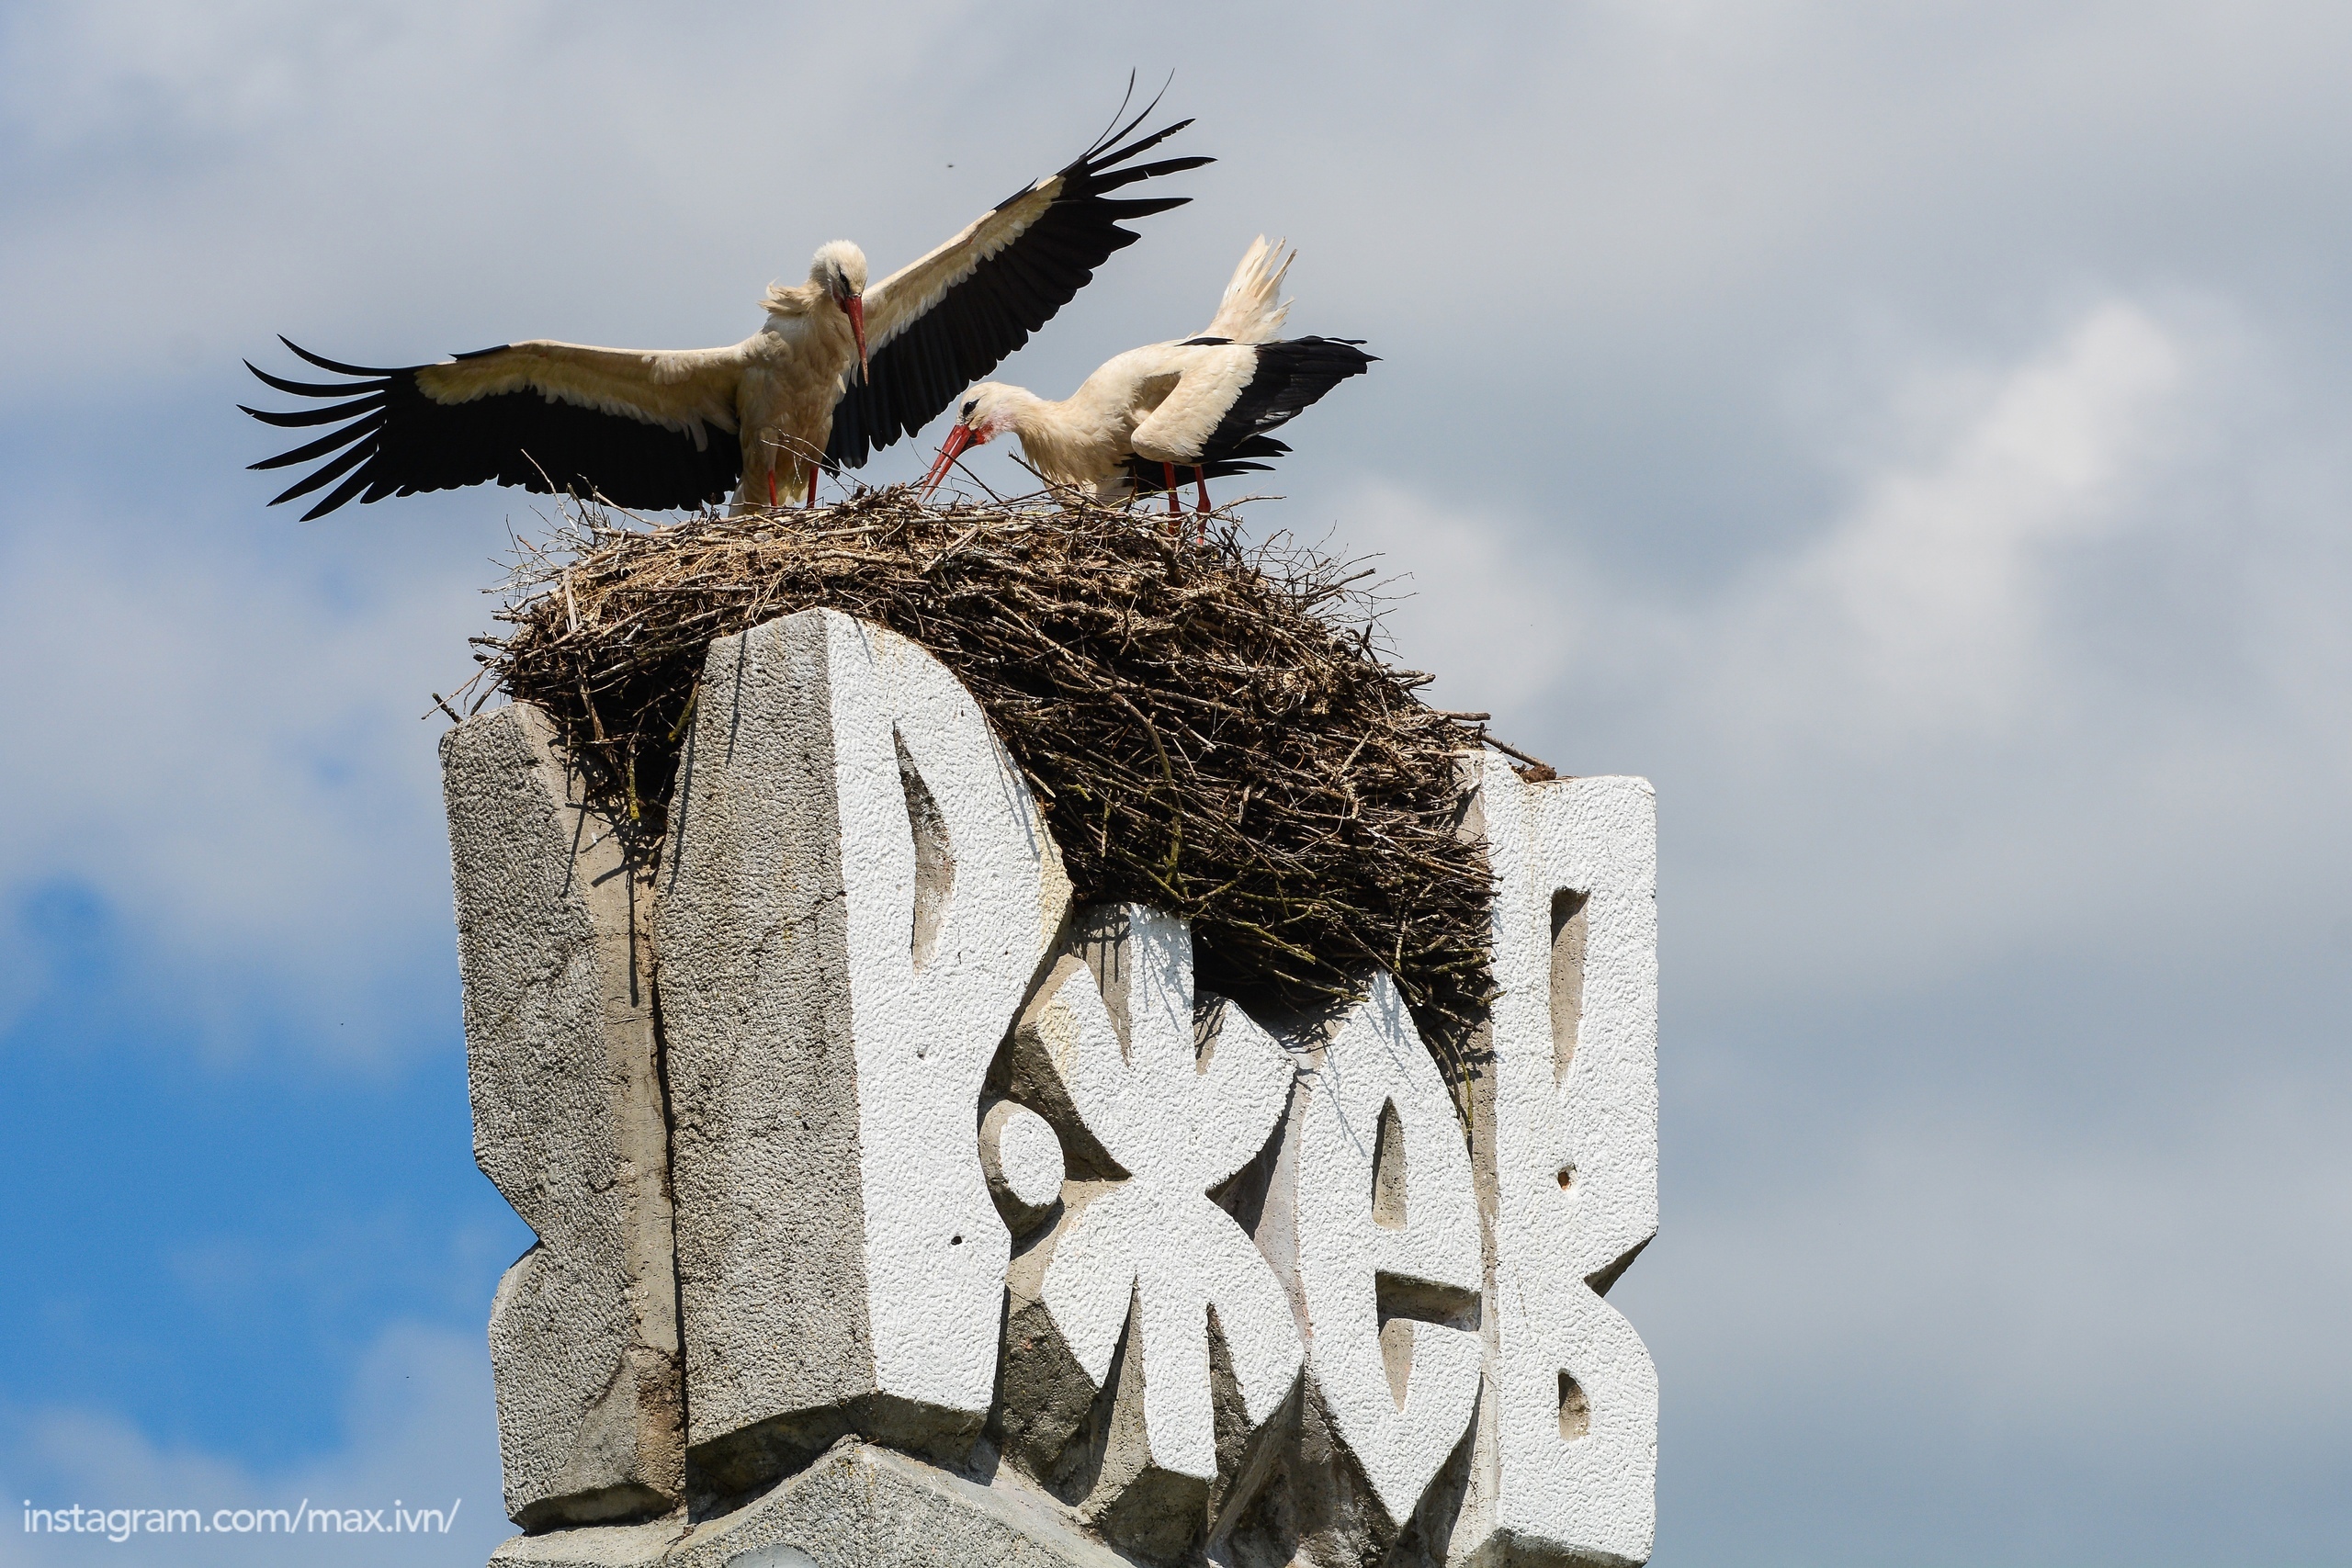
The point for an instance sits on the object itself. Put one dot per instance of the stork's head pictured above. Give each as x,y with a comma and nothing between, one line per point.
984,413
839,270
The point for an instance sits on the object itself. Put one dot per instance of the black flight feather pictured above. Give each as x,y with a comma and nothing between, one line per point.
971,329
1290,376
400,442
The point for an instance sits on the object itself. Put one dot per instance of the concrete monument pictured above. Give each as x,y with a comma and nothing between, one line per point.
891,1210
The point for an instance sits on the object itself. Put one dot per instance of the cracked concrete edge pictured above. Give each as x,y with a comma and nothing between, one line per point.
569,1125
858,1506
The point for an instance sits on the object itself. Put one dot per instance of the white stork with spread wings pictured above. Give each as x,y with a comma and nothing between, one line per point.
837,371
1203,403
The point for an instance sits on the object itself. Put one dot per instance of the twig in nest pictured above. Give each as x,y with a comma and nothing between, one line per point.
1214,726
1537,764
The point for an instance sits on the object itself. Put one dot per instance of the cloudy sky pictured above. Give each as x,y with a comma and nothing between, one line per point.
1917,437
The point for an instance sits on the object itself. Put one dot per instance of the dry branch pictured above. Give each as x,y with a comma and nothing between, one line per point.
1206,723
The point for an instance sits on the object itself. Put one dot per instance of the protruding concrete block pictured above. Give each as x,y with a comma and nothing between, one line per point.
1144,1282
857,1507
862,1506
856,893
1566,1465
886,1060
1371,1219
568,1126
640,1545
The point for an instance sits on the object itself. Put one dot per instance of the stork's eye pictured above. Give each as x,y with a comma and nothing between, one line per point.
969,407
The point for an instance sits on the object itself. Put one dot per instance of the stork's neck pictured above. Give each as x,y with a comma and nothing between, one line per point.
1030,416
797,300
1066,440
805,324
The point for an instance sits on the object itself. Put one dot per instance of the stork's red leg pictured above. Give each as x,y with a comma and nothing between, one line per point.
1175,507
1200,480
770,487
809,504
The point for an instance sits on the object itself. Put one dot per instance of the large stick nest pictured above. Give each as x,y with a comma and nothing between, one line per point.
1209,724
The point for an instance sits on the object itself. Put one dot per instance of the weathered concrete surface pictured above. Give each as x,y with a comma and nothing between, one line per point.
568,1126
857,900
1371,1220
1314,1509
856,893
599,1546
858,1506
1566,1461
863,1507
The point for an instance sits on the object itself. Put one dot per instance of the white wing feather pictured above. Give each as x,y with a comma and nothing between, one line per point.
1212,381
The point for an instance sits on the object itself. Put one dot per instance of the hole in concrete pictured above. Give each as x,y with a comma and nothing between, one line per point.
1568,1177
934,864
1568,976
954,1241
1396,1356
1399,1301
1388,1170
1576,1416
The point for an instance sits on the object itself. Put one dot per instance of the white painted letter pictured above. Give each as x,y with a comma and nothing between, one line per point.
1567,1458
1373,1214
1177,1118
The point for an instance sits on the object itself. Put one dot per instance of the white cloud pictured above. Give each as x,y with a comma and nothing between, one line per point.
1925,607
1917,733
422,1434
231,756
2044,725
2028,648
1921,610
2054,1281
1570,203
1459,589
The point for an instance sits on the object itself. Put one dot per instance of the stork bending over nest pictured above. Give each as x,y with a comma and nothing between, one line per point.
1203,403
837,371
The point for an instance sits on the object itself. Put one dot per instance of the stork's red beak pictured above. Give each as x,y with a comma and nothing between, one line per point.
959,437
855,306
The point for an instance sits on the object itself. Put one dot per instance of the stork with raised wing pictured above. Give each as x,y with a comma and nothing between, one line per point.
836,371
1204,404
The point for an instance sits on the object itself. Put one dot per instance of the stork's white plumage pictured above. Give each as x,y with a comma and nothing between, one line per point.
836,371
1253,309
1203,403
